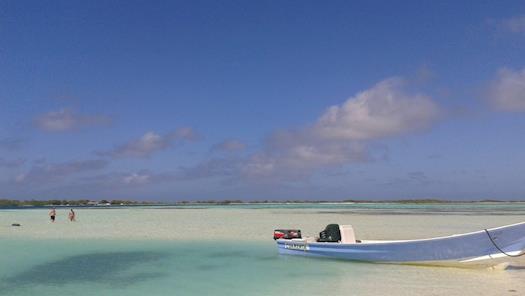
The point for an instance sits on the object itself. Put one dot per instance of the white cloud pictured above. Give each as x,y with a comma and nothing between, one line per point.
514,24
115,180
67,120
342,134
144,146
302,159
136,178
384,110
211,168
45,172
150,143
507,91
229,145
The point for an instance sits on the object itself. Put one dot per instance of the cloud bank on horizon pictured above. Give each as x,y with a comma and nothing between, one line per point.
208,129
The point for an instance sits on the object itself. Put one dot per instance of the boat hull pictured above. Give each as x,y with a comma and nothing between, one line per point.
472,248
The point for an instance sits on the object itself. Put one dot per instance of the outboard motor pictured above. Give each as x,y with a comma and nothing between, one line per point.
330,234
286,233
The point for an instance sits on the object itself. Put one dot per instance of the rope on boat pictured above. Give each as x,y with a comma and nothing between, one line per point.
499,249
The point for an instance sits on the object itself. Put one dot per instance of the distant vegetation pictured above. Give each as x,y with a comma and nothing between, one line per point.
57,202
400,201
115,202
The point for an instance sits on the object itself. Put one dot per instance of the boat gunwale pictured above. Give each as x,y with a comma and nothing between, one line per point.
381,242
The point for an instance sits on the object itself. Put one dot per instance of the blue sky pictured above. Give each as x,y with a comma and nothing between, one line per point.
198,100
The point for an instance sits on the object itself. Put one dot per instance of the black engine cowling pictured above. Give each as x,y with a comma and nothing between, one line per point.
330,234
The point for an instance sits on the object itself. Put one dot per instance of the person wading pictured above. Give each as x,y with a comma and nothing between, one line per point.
72,215
52,215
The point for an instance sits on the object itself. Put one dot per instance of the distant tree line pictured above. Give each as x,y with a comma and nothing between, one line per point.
63,202
85,202
400,201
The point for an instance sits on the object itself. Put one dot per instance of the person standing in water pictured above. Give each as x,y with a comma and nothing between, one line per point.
52,215
72,215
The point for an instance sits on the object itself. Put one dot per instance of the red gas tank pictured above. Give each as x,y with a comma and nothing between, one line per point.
286,233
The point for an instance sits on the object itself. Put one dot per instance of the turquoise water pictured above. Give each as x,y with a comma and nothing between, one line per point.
229,251
137,268
158,268
222,268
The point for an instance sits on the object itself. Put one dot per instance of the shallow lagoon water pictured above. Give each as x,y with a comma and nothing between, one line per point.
229,251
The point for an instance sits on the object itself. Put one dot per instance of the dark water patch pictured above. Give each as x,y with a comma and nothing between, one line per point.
126,280
268,258
98,268
182,208
206,267
230,254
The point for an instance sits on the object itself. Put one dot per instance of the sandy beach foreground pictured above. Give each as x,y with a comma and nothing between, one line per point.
229,251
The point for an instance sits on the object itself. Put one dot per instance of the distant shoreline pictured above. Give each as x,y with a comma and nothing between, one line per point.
398,201
7,203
